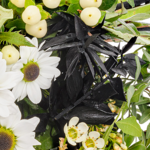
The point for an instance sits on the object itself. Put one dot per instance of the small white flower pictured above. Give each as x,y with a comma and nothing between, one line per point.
92,142
75,134
38,69
7,81
17,134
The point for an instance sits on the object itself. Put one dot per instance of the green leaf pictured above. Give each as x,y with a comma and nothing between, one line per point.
5,14
138,70
138,146
143,100
147,55
106,4
129,140
130,126
46,140
15,8
17,23
127,36
130,93
103,13
15,39
32,105
148,132
145,116
29,2
72,9
139,90
5,3
44,14
131,2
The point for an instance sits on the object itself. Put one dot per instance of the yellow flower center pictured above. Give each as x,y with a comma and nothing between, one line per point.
31,71
73,133
90,143
7,139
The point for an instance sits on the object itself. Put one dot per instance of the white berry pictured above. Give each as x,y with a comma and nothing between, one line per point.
18,3
90,15
51,3
10,54
31,15
90,3
38,30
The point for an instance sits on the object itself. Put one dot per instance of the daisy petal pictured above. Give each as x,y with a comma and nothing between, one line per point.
35,42
94,134
83,128
65,129
50,60
35,121
90,149
2,66
34,92
100,143
73,121
4,111
70,141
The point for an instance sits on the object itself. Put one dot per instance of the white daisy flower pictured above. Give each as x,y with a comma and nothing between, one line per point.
75,134
93,142
38,69
7,81
17,134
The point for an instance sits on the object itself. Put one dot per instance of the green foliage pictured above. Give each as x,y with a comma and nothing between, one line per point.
14,38
130,126
138,146
28,3
130,93
129,140
148,132
145,116
138,70
15,8
106,4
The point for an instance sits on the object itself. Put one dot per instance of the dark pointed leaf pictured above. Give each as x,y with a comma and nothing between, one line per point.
89,64
63,46
81,28
129,45
59,40
97,59
118,86
103,93
99,106
89,115
101,50
74,84
90,40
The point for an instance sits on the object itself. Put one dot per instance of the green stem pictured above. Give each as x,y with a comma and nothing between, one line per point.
65,140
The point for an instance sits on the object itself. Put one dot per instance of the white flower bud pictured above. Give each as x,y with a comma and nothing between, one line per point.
90,16
51,3
31,15
18,3
10,54
116,147
124,147
38,30
90,3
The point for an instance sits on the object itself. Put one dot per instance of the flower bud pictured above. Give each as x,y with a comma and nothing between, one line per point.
119,140
116,147
112,135
123,146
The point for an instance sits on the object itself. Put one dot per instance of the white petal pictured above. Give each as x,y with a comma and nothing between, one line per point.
94,134
41,45
34,92
90,149
70,141
23,127
35,41
17,90
66,129
48,61
4,111
81,138
24,52
1,55
24,91
17,66
44,83
73,121
82,127
2,66
49,72
100,143
35,121
6,97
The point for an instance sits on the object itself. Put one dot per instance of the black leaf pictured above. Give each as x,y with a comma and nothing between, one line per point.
89,115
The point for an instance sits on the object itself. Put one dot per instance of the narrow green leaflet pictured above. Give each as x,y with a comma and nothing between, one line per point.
138,146
28,3
148,132
44,14
138,70
130,126
127,36
5,14
145,116
139,90
128,139
147,55
14,38
143,100
131,2
130,93
106,4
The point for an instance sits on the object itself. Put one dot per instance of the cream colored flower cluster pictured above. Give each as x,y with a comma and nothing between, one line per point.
90,13
77,133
